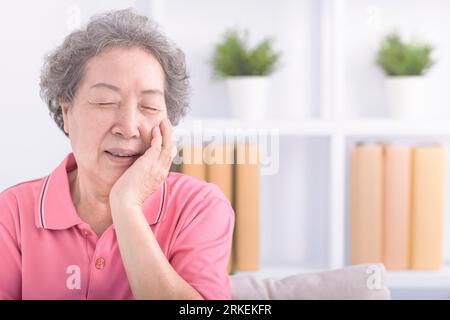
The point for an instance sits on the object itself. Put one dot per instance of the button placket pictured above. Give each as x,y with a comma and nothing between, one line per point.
99,261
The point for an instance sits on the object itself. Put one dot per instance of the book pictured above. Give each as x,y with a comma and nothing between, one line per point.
366,188
247,207
193,162
397,206
219,170
428,184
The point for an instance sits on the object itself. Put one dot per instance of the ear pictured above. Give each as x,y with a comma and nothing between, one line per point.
65,111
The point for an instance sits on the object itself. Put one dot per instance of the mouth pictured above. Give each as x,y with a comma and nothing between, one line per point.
122,156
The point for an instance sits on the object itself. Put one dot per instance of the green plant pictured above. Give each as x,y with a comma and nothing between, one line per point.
233,57
398,58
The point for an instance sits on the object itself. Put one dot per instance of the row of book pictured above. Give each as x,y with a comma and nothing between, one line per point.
397,195
239,181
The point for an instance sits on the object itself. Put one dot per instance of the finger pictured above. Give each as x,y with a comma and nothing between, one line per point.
169,143
156,143
168,153
166,131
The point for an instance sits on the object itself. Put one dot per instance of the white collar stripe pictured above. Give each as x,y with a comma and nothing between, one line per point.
41,203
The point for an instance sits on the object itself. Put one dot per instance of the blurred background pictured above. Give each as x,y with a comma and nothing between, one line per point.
338,84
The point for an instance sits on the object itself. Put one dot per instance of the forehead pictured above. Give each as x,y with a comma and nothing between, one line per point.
133,68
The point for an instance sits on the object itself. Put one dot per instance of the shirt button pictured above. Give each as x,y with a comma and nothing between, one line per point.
87,233
100,263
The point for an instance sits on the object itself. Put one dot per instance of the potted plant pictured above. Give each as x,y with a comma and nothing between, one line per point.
405,64
246,71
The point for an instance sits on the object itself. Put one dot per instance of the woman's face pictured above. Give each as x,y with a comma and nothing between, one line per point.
119,101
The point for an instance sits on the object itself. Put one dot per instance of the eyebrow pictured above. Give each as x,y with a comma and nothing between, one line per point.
117,89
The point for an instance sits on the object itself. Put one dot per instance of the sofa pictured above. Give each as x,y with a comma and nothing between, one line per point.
358,282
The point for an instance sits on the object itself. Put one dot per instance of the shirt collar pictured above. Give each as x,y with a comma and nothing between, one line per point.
56,211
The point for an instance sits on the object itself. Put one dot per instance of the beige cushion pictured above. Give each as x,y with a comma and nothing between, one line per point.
354,282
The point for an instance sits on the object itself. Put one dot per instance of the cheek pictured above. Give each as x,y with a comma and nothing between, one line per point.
88,131
150,121
156,120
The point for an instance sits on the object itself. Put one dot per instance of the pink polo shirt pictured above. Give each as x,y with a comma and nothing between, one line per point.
48,252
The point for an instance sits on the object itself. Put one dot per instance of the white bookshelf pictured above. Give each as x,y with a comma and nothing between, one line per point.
320,141
339,135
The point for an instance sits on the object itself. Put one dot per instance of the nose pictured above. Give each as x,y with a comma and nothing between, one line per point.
127,121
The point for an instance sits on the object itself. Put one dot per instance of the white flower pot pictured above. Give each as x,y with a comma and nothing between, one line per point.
405,97
248,96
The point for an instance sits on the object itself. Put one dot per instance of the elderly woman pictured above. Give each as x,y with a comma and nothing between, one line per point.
111,222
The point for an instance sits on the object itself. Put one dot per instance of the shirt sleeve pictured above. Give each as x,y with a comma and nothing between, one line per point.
202,248
10,254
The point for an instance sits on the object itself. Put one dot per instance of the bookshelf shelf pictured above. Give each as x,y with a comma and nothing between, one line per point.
380,127
236,127
392,127
419,279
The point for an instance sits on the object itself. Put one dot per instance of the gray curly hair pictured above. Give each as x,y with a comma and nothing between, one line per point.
64,67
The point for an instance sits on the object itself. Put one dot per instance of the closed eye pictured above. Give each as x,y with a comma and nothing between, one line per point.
104,103
150,108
